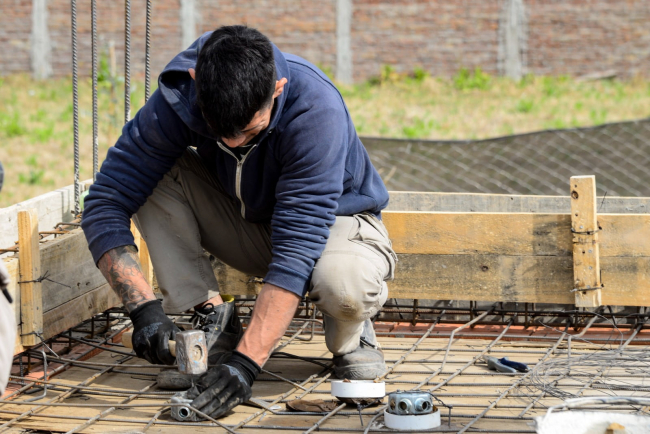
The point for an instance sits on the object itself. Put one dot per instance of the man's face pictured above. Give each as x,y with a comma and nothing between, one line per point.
260,121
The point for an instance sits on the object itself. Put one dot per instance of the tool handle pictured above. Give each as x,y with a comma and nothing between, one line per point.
521,367
127,340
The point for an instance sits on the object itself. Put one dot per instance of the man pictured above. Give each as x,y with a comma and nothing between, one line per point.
279,186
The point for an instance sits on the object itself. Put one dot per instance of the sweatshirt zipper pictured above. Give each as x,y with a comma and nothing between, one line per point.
240,164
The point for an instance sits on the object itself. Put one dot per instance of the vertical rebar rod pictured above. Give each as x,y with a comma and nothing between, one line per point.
147,57
75,105
127,60
93,8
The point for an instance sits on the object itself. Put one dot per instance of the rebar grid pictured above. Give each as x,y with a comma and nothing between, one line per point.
447,364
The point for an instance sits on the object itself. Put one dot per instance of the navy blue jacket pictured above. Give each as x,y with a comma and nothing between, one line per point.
308,166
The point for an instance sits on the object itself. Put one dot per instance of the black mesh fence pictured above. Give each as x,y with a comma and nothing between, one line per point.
538,163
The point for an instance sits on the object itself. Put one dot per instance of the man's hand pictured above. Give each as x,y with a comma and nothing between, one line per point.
226,386
152,330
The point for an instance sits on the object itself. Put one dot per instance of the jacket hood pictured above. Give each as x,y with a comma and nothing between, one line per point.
178,89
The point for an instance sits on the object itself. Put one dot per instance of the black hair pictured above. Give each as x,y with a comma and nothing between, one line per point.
235,78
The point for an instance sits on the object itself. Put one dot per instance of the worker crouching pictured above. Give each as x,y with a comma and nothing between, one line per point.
248,154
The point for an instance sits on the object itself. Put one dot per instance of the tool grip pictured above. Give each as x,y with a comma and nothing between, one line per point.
127,340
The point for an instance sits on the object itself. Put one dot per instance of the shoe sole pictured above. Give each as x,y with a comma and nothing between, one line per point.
368,371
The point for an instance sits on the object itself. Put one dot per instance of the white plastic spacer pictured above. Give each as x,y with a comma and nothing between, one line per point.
358,389
412,422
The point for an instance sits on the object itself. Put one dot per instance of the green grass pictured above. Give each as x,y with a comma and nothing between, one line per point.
36,117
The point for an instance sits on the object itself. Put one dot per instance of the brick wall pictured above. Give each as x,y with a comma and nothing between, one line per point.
15,31
439,36
582,36
303,27
564,36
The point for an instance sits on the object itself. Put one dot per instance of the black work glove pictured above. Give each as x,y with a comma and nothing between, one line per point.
152,330
225,386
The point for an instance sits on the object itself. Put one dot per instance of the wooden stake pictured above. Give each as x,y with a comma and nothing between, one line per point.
586,258
31,301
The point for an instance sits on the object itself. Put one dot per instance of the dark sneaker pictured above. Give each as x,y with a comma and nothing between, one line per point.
223,330
364,363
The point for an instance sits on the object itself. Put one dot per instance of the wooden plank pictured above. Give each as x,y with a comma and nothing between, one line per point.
70,267
53,207
479,233
529,279
584,225
79,309
31,302
480,202
493,278
75,311
511,234
532,279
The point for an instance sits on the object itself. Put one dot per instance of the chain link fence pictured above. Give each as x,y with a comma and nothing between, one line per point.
538,163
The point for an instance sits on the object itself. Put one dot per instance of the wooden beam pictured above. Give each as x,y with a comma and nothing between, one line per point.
480,202
31,302
523,279
53,207
516,234
522,234
76,311
584,226
79,309
70,267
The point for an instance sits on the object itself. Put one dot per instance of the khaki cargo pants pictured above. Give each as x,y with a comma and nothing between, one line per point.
189,211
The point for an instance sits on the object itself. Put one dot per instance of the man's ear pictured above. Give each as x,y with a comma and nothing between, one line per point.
279,87
193,73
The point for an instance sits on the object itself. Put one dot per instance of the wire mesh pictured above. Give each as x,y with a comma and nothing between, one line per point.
114,391
537,163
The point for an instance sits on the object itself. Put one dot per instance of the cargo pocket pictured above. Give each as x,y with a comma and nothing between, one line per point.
368,231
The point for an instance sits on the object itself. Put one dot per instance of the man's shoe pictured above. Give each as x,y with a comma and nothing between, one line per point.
223,331
364,363
222,328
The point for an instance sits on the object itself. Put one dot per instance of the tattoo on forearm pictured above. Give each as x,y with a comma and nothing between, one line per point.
121,268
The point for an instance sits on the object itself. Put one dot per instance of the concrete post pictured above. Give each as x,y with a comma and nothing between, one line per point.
512,39
343,41
41,49
188,22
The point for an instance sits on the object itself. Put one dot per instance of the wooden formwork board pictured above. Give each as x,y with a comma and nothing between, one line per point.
456,247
